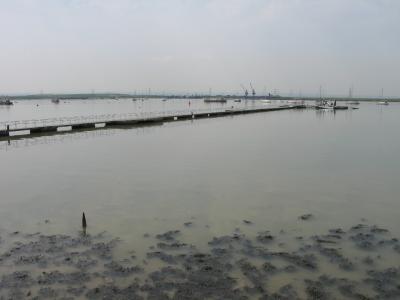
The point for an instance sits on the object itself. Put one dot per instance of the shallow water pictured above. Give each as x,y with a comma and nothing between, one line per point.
268,168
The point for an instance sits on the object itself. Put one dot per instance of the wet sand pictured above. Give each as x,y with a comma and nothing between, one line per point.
360,262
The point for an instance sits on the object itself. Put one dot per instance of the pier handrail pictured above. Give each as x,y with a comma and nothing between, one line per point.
103,118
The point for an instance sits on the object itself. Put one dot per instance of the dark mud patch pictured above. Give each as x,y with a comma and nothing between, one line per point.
233,266
168,236
188,224
116,269
306,217
265,237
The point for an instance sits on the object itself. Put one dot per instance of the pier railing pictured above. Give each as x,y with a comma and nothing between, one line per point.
104,118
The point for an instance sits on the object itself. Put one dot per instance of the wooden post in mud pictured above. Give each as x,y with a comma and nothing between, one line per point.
84,221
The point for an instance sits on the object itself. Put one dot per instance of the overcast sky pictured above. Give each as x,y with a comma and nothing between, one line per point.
194,45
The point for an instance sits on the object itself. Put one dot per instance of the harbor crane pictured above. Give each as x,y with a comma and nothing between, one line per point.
246,93
253,92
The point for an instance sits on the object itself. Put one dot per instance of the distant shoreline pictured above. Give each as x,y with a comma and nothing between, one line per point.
124,96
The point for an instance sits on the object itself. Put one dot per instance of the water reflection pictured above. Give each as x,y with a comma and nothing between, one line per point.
60,137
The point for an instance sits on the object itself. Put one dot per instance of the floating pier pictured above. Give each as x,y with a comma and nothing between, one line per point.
91,122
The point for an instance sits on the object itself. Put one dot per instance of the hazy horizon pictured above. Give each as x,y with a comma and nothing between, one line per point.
293,46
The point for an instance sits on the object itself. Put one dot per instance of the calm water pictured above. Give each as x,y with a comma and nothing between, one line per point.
268,168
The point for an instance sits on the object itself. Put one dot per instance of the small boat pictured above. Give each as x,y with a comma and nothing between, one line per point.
331,105
323,107
6,102
383,103
338,107
55,100
237,100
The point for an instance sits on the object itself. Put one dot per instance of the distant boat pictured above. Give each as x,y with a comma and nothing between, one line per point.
324,107
383,103
220,100
6,102
237,100
333,107
55,100
330,106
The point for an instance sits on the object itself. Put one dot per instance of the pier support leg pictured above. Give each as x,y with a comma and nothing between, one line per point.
4,133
